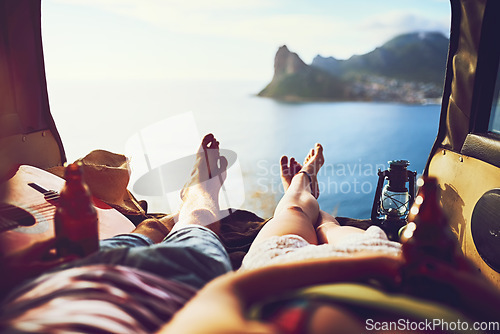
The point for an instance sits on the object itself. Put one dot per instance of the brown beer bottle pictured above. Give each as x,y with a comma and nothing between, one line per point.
427,237
75,219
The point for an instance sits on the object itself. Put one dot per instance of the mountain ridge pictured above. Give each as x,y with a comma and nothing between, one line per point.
409,68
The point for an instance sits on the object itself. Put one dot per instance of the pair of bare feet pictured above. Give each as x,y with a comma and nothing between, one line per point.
325,223
209,171
209,164
312,164
200,195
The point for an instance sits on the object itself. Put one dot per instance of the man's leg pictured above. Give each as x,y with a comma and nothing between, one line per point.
200,195
192,253
156,229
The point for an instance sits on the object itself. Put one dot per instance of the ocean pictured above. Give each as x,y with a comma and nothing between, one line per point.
159,125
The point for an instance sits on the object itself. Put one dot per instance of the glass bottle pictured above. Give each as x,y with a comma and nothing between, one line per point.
75,219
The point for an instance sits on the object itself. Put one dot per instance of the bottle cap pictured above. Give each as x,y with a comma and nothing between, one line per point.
73,169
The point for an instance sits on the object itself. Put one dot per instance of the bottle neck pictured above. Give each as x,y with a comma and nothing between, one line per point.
430,211
73,179
75,185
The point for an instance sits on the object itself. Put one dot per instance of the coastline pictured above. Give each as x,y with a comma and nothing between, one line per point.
301,99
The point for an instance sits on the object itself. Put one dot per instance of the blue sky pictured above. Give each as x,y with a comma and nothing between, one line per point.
217,39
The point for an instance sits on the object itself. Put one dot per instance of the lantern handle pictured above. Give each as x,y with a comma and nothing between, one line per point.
378,193
412,178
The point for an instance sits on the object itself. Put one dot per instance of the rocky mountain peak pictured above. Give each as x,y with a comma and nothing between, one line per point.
287,62
409,68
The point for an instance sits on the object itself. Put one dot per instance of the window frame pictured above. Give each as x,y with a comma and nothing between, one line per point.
488,64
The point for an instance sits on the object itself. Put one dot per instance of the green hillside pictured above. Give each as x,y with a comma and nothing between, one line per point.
311,83
409,68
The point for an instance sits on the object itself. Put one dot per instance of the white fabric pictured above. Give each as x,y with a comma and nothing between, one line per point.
290,248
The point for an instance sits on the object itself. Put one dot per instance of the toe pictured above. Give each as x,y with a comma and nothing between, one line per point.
207,140
319,150
223,163
285,170
309,156
296,167
284,162
213,144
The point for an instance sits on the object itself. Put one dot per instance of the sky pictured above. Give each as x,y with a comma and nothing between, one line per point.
217,39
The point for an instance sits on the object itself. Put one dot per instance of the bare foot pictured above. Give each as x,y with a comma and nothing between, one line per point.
312,164
209,170
200,195
288,170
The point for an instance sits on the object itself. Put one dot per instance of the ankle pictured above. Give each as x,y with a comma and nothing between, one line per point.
153,229
202,217
301,181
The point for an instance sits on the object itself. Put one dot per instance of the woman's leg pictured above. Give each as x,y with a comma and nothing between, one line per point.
328,229
297,211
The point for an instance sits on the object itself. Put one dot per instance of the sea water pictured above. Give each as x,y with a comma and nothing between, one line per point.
158,123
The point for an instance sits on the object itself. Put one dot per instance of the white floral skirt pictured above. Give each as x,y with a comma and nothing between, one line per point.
290,248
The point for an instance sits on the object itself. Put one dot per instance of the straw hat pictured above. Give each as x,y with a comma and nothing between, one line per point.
107,174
